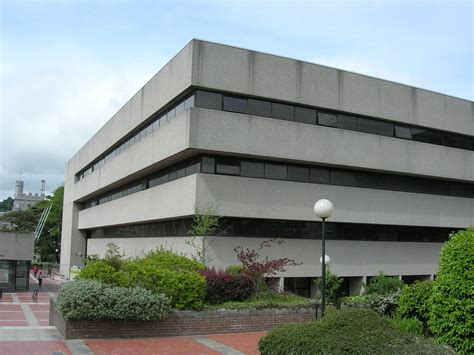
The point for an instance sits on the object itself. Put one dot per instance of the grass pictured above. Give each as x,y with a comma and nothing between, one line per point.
268,299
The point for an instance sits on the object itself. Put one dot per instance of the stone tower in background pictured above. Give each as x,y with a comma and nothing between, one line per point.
24,200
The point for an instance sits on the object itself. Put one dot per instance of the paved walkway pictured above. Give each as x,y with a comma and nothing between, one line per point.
24,330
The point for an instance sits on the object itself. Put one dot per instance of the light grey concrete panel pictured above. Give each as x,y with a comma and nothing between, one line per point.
167,140
274,77
459,115
259,198
396,101
223,68
173,199
264,137
430,109
16,246
360,94
319,86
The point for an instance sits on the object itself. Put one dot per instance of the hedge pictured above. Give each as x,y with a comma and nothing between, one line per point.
224,287
94,300
350,331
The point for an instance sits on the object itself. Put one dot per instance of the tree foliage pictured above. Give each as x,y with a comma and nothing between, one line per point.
333,282
452,301
414,301
205,223
384,285
6,204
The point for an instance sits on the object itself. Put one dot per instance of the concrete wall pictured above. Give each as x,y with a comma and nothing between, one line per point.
16,246
280,78
348,258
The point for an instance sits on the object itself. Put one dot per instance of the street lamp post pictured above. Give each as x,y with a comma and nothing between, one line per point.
323,209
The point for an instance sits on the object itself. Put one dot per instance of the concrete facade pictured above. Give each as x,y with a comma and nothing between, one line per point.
197,130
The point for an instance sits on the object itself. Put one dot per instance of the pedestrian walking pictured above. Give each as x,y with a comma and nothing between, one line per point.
40,278
35,270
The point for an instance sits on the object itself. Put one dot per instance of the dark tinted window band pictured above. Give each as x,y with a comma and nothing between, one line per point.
288,112
271,228
222,165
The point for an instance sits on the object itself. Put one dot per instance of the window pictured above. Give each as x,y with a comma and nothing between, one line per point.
194,168
347,122
227,166
275,171
252,169
235,104
181,172
403,132
298,173
305,115
319,176
260,108
339,177
367,125
464,142
327,119
283,112
434,137
385,128
208,165
210,100
450,140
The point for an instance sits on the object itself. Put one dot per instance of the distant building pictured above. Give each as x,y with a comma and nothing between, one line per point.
16,253
26,200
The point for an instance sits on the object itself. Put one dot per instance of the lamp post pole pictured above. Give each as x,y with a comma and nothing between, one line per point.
323,209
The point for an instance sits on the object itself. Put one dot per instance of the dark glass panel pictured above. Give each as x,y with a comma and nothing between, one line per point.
366,180
339,177
172,175
319,176
207,165
235,104
419,134
260,108
252,169
385,128
367,125
464,142
305,115
450,140
164,178
275,171
394,182
327,119
434,137
227,166
403,132
181,172
298,173
347,122
283,112
194,167
210,100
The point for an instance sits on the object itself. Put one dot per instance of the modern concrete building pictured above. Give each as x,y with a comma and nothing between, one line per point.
263,137
16,253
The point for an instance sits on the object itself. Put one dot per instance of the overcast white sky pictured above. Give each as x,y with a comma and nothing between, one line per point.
68,66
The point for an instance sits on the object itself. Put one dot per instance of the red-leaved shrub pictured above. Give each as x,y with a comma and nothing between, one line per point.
223,287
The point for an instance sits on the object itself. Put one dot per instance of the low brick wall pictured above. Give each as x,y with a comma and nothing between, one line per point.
179,323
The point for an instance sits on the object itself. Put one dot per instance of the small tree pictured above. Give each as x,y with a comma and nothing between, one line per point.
205,223
384,285
257,268
333,282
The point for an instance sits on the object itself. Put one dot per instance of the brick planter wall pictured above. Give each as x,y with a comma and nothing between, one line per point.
179,323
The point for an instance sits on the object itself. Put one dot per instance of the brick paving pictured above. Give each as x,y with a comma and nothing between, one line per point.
24,329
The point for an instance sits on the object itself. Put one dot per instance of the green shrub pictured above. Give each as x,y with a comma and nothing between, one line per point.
186,289
410,325
235,270
452,301
384,285
90,299
167,259
333,282
414,301
99,270
382,304
350,331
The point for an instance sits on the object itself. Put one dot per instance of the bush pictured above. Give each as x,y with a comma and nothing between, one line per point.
99,270
410,325
90,299
384,285
235,270
414,301
451,304
167,259
224,287
382,304
333,282
350,331
186,289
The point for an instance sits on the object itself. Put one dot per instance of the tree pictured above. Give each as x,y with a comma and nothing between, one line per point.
257,268
6,205
205,223
333,282
451,316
